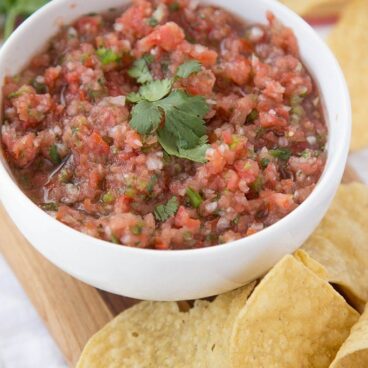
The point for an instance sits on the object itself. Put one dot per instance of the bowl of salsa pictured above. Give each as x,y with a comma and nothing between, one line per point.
169,149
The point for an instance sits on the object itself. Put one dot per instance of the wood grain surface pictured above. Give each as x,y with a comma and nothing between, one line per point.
72,310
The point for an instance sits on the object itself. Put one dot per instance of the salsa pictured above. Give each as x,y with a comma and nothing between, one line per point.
166,125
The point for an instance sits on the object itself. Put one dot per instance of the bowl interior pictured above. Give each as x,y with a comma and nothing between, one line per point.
16,53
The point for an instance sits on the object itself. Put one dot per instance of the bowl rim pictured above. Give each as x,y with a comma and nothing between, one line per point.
332,163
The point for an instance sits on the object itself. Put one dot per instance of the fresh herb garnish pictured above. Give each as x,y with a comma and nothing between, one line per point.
194,197
156,90
140,71
107,56
54,155
152,22
281,153
151,184
257,185
167,210
16,8
188,68
264,162
175,116
252,116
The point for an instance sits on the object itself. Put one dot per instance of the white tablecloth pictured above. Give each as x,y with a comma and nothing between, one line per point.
24,340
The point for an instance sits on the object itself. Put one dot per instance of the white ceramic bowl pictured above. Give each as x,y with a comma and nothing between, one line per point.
185,274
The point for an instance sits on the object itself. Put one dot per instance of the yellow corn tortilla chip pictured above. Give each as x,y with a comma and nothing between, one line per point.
309,262
293,319
316,8
157,334
340,243
354,352
349,42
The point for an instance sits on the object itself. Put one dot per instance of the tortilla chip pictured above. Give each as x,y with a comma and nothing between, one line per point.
293,319
354,351
349,42
310,263
316,8
340,243
157,334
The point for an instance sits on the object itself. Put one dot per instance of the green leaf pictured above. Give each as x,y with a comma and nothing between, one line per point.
146,117
140,71
257,185
134,97
151,184
152,22
194,197
107,56
184,118
167,210
281,153
196,154
54,155
264,162
188,68
14,9
252,116
156,90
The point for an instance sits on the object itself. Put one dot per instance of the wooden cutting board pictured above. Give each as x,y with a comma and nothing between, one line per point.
72,310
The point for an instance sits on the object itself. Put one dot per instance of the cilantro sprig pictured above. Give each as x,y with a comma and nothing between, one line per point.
175,116
163,212
17,8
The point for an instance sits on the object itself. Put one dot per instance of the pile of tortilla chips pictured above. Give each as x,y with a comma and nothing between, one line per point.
349,42
319,9
304,313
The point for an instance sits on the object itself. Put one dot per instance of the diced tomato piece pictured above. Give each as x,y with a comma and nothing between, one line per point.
134,19
238,70
96,144
201,53
232,180
167,36
182,219
247,169
227,137
201,83
216,162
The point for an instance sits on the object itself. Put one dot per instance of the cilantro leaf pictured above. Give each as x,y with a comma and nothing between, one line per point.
188,68
167,210
194,197
140,71
156,90
196,154
146,117
54,155
184,118
134,97
281,153
16,8
107,56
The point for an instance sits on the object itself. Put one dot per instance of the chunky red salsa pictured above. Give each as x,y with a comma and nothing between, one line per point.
169,125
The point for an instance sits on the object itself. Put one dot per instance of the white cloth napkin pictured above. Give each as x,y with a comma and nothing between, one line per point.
24,339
